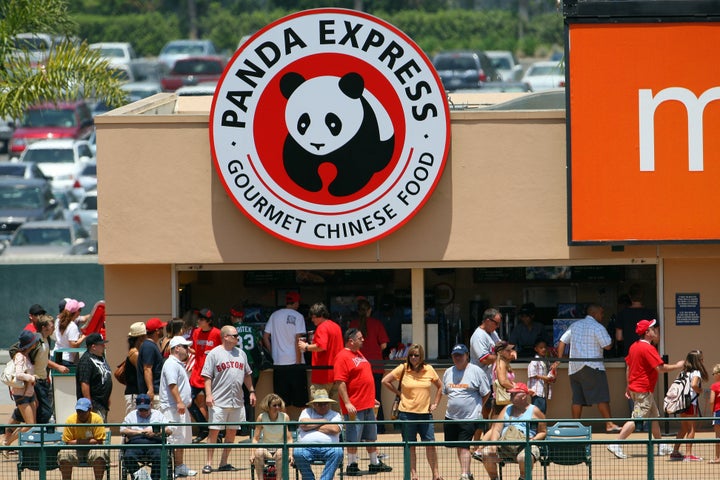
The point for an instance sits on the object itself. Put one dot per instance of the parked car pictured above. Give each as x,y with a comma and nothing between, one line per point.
506,65
45,238
192,71
545,75
21,170
59,159
85,178
36,46
177,49
85,213
199,90
464,69
68,202
47,120
7,127
139,90
116,53
24,199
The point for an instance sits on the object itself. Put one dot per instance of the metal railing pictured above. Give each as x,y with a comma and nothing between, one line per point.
38,459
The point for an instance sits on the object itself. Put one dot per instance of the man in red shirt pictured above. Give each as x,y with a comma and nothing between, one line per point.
327,342
36,311
356,386
204,338
644,365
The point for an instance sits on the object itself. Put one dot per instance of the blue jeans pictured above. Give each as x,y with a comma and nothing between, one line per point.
332,456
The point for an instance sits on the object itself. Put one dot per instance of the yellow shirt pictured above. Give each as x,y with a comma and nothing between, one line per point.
92,429
416,388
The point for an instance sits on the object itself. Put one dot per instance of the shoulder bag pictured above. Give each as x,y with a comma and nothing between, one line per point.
395,411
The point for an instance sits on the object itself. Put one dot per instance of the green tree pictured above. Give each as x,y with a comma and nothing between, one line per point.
70,71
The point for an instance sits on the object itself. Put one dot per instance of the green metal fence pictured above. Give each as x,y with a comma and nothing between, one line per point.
566,458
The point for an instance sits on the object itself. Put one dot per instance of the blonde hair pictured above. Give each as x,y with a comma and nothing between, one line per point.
268,399
716,369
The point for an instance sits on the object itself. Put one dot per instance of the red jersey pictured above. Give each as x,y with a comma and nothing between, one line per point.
328,336
203,342
715,387
374,338
30,327
354,369
642,361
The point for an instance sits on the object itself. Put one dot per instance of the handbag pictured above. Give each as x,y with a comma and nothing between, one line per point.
395,411
119,372
502,397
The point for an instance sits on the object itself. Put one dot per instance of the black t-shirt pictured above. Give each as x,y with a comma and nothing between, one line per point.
94,371
627,320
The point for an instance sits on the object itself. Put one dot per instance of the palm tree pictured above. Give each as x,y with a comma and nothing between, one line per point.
69,71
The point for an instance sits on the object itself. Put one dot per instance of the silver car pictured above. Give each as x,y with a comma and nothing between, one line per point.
45,239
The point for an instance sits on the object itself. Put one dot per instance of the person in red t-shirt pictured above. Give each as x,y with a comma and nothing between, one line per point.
327,341
354,379
644,365
376,339
204,338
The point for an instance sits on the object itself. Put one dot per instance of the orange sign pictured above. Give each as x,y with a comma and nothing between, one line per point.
644,117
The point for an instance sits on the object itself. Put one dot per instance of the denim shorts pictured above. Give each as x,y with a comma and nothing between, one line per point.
410,431
717,418
355,432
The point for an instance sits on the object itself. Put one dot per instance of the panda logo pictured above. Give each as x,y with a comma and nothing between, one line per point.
349,129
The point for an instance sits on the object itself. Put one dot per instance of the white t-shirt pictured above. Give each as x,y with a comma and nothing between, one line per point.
695,374
283,326
174,373
314,436
62,340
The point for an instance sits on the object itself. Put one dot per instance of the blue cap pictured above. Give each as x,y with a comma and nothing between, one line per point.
142,401
459,349
83,404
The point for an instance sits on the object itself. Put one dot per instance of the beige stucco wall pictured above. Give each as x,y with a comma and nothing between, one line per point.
501,201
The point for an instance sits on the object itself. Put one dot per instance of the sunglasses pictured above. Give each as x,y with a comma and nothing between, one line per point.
231,335
276,405
414,355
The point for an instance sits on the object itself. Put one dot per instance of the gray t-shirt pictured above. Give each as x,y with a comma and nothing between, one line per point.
227,370
481,345
465,390
174,373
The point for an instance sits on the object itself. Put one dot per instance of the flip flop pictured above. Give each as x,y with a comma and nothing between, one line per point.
613,429
714,461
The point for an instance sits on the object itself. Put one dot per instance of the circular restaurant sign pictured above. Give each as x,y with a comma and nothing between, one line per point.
330,128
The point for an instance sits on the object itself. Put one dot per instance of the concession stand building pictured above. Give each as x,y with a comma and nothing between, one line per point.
526,205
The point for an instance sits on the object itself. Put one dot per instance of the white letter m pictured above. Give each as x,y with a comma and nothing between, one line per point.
693,105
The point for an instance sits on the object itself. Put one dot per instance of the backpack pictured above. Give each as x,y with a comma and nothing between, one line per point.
679,396
7,376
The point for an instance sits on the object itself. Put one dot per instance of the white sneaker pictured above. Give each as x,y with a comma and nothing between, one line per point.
184,471
616,450
664,449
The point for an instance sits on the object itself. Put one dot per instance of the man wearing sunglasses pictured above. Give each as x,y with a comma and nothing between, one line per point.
225,371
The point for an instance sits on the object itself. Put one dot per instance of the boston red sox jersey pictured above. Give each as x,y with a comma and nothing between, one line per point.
226,370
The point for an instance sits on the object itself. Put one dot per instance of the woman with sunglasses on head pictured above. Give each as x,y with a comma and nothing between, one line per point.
271,428
415,380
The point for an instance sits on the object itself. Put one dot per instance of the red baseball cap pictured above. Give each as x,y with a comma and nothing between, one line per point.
644,325
292,297
154,324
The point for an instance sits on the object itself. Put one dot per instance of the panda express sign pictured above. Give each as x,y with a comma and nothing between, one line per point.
330,129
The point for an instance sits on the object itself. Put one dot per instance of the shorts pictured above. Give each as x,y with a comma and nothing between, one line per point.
717,417
410,431
644,405
358,432
181,434
219,416
692,411
460,431
589,387
75,457
195,391
22,400
516,454
291,383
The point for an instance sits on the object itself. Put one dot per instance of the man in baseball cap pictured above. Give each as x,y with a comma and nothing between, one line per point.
83,427
150,361
94,376
34,314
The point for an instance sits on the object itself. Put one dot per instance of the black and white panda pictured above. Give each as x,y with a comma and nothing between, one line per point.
333,119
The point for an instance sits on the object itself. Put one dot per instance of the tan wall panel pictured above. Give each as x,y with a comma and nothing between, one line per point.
132,294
